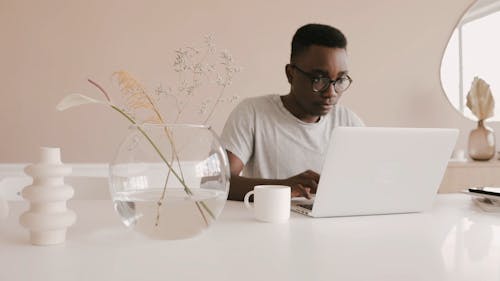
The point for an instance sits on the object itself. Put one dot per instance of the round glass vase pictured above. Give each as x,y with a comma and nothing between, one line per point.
169,181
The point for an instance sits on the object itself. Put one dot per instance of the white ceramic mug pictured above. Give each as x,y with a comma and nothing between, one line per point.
271,202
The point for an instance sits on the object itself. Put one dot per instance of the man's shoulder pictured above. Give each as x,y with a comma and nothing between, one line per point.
257,103
258,100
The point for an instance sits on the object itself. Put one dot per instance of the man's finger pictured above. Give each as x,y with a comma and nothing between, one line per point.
312,185
304,191
296,193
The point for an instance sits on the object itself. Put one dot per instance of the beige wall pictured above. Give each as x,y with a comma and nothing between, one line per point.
50,47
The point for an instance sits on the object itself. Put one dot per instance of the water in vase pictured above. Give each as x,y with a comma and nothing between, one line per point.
179,216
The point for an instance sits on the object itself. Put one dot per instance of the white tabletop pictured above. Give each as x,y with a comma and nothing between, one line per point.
453,241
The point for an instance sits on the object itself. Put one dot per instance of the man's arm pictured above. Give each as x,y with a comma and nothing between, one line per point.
302,184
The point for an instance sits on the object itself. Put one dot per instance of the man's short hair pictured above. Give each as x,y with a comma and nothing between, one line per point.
316,34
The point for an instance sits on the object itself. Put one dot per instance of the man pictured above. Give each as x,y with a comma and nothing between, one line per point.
283,139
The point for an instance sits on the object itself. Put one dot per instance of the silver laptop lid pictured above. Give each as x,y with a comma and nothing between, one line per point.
371,170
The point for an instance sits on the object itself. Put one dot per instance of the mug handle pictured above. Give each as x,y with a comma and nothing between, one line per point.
247,197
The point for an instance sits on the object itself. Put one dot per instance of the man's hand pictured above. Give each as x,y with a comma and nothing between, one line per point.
303,184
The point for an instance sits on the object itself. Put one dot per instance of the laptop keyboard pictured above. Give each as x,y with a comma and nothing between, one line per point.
307,206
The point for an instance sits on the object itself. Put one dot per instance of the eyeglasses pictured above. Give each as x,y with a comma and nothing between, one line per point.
321,83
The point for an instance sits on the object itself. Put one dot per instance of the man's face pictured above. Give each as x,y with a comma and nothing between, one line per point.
320,61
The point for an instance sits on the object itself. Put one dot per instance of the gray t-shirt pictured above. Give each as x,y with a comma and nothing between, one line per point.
273,143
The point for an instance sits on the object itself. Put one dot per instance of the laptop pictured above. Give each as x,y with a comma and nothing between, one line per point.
373,170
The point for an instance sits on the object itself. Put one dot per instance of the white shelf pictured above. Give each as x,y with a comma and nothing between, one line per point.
461,175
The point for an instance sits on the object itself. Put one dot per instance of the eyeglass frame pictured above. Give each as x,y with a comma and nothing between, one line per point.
314,77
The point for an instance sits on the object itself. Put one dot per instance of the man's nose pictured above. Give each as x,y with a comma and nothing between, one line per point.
329,92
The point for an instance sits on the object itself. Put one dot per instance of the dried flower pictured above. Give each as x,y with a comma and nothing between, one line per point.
480,100
195,67
76,100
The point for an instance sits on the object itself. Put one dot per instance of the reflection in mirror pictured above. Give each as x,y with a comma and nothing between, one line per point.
473,50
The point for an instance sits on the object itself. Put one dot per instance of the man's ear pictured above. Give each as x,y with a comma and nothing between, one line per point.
288,71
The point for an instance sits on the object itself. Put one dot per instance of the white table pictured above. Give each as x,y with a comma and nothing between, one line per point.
453,241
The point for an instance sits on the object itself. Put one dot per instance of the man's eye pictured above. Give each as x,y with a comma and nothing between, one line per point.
317,79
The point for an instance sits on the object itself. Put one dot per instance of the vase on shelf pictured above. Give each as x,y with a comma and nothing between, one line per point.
482,142
169,181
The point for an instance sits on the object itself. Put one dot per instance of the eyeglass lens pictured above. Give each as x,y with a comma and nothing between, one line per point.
320,84
340,85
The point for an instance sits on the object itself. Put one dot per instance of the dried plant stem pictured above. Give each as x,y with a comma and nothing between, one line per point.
162,197
159,203
217,101
181,178
175,156
193,79
172,143
186,188
100,88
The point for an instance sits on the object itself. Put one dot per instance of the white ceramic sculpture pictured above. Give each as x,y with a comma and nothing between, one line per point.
48,217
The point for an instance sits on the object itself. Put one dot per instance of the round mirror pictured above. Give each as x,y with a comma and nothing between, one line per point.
473,50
